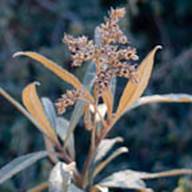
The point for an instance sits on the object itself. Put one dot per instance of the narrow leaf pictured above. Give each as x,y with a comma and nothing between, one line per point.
78,110
108,100
62,126
49,110
34,106
19,164
126,179
133,91
105,146
167,98
130,179
104,163
19,107
52,66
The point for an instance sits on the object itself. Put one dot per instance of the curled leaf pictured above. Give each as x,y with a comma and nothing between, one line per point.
34,106
133,91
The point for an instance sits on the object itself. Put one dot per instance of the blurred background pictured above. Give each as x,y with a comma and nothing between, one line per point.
159,136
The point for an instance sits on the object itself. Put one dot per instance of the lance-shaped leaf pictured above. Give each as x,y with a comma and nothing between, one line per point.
133,91
49,110
34,106
130,179
61,177
105,162
62,126
126,179
52,66
20,164
105,146
107,96
167,98
78,110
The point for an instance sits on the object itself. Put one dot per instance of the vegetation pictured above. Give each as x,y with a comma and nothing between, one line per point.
158,136
109,56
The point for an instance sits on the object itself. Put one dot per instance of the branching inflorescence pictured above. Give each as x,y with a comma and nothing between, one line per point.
112,57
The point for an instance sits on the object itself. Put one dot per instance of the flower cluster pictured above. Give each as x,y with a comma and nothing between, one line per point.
110,53
67,99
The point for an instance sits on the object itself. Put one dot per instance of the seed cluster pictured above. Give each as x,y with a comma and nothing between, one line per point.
110,52
67,99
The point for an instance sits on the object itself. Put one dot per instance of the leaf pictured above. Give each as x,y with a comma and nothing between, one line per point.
49,110
133,91
104,163
78,110
130,179
52,66
19,107
167,98
126,179
62,126
105,146
61,177
34,106
108,100
19,164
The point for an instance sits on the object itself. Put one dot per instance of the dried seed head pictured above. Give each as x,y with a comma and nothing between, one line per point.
110,31
117,14
108,53
81,48
127,71
103,80
67,99
128,54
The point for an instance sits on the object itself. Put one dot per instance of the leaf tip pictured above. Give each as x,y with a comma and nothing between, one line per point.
158,47
19,53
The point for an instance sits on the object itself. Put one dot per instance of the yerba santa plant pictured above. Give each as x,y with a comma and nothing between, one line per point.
109,56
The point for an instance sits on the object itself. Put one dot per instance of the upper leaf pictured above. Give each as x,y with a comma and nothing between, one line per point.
52,66
133,91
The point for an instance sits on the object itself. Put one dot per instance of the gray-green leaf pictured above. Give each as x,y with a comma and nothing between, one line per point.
127,179
62,126
19,164
49,111
105,146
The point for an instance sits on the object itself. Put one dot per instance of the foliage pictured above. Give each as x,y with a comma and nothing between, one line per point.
98,120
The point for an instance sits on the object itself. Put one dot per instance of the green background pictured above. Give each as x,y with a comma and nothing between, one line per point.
159,136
